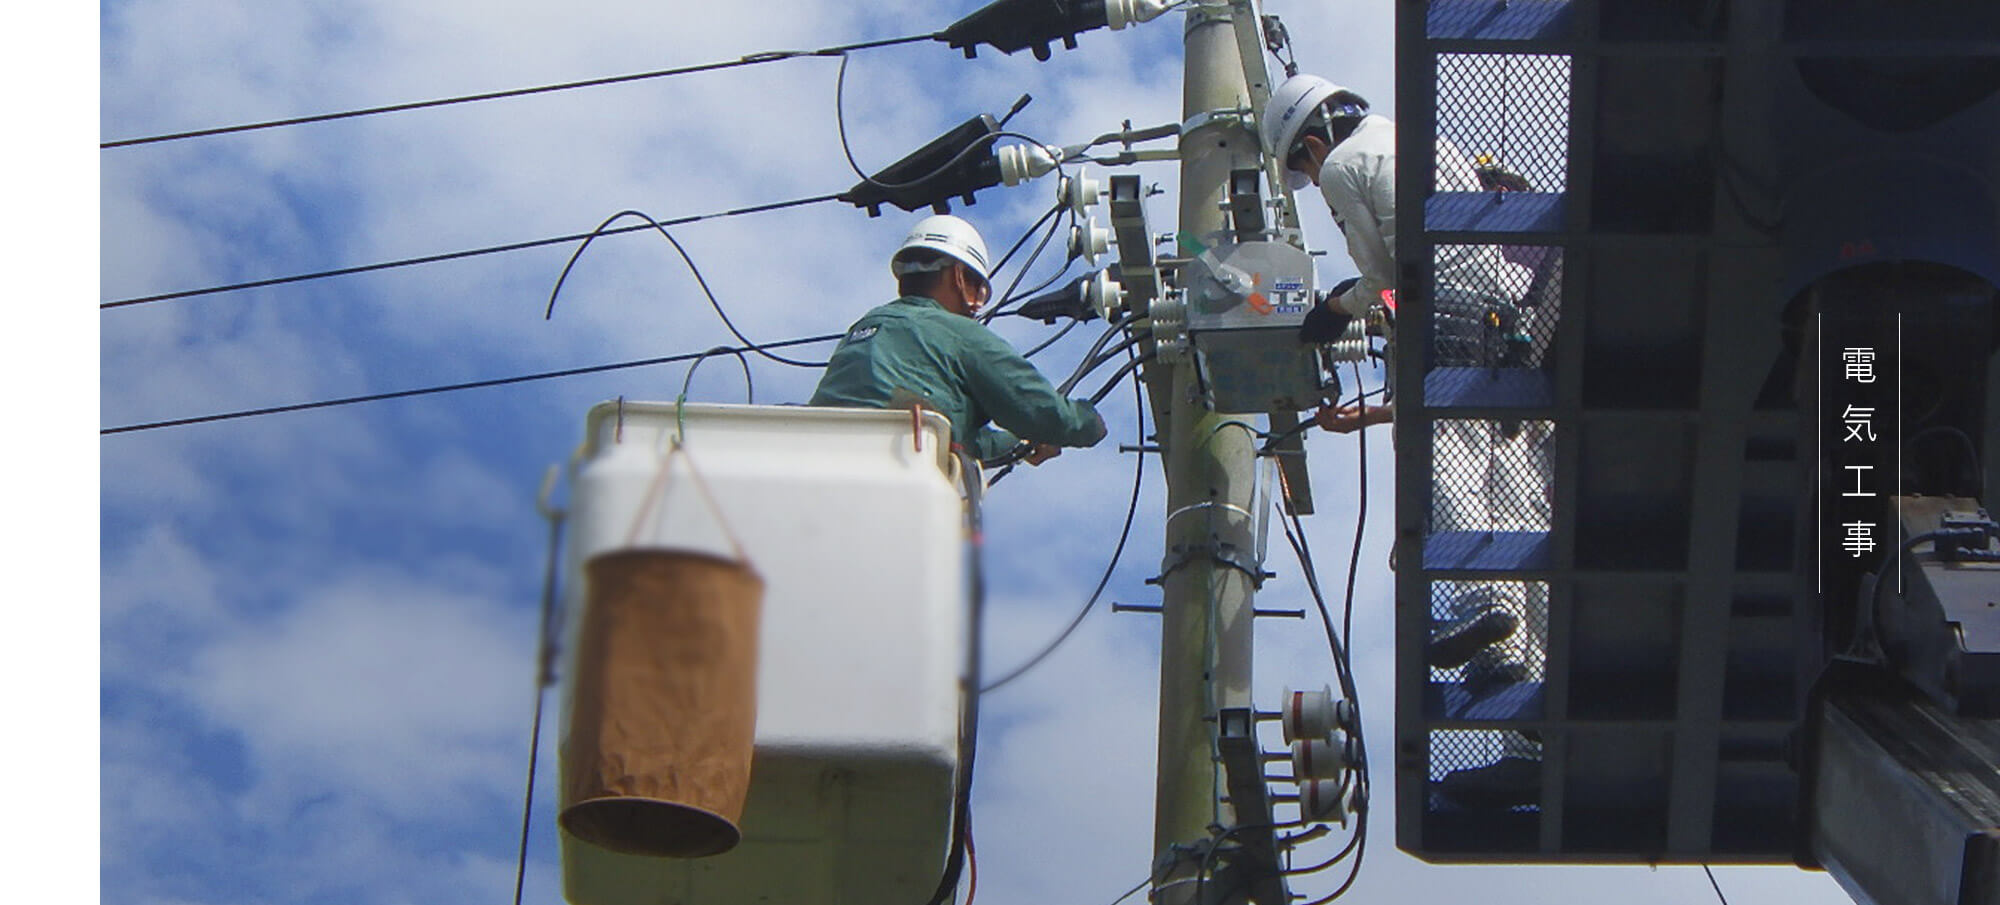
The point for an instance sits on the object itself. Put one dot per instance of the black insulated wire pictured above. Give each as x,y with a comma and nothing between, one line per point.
961,822
1117,377
1095,359
1044,344
1013,298
545,676
749,386
1084,365
770,56
1016,247
1118,552
698,278
1716,886
455,255
1342,660
447,388
1010,296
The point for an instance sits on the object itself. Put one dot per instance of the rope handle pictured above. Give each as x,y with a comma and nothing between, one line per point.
661,486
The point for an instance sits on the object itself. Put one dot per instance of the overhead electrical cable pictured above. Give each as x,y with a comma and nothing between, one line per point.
454,255
698,278
771,56
454,387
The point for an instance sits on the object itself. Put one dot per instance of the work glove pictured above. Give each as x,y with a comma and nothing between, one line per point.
1327,320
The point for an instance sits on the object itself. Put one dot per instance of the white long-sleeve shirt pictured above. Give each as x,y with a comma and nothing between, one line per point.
1358,181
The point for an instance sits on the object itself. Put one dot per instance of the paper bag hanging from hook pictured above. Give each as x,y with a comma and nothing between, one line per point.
663,719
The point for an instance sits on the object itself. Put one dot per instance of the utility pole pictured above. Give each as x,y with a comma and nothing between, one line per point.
1206,585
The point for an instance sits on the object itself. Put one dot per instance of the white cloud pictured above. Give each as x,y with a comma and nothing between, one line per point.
383,686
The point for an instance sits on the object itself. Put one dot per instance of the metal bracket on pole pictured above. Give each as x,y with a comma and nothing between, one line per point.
1250,798
1136,270
1246,204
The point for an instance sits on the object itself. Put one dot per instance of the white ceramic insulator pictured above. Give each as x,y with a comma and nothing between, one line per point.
1168,317
1352,344
1081,193
1087,240
1120,13
1104,294
1318,758
1323,800
1310,714
1020,163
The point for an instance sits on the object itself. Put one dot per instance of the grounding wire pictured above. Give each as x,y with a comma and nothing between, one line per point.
698,278
1124,533
455,255
747,60
446,388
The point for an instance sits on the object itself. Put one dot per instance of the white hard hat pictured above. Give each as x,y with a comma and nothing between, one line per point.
1291,106
947,235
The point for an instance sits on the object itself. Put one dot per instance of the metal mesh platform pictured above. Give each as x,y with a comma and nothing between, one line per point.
1588,482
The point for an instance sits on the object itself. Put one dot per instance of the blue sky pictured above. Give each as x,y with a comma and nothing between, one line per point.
317,628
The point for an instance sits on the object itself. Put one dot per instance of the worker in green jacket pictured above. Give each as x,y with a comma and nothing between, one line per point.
927,348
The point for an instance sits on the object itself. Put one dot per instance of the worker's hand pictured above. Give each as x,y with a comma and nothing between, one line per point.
1349,418
1042,452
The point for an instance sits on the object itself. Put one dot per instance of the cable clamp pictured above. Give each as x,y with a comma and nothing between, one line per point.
1228,118
1220,553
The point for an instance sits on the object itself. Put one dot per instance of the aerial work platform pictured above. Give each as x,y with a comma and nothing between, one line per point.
856,525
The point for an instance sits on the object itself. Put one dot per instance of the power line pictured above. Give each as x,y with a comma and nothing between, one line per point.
454,255
749,60
448,388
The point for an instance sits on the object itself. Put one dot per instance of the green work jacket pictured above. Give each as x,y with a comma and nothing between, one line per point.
913,350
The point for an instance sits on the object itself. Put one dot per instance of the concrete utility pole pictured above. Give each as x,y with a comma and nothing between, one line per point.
1205,651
